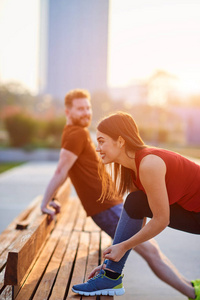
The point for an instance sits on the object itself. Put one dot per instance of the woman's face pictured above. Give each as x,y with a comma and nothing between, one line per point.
108,149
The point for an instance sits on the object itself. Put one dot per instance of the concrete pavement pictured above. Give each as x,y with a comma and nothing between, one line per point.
20,185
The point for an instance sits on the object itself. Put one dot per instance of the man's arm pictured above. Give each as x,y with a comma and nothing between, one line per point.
66,161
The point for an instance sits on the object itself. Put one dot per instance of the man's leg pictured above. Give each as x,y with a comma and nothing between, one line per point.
163,267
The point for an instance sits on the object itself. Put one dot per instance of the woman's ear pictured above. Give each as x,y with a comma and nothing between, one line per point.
121,141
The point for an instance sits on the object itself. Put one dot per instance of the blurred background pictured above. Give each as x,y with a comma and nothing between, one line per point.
138,56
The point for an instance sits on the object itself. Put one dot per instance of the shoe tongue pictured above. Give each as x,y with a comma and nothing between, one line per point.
101,272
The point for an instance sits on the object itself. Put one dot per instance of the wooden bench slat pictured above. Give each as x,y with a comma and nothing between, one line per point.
80,264
38,270
64,273
48,279
93,257
64,227
27,248
56,260
91,226
42,262
80,221
23,224
69,215
106,241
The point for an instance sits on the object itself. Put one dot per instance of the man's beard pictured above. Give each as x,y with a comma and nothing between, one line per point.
83,122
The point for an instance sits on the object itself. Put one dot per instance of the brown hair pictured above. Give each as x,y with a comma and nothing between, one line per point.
75,94
115,125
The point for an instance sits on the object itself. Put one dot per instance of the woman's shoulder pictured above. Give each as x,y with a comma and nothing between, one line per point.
149,157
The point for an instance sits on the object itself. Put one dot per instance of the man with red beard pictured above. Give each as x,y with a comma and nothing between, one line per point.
79,160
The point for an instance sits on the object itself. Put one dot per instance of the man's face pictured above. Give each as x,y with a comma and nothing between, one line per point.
80,113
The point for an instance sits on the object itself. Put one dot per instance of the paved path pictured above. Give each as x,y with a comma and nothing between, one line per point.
19,186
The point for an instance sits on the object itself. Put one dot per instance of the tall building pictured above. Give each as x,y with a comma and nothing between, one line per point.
74,42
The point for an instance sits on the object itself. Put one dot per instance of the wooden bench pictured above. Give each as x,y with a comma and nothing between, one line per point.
42,260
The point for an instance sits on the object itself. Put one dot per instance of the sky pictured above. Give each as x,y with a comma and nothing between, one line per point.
154,35
144,36
19,42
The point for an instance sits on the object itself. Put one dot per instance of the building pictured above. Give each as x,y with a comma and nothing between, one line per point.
74,42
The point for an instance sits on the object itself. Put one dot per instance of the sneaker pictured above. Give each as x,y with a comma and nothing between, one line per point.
197,292
100,285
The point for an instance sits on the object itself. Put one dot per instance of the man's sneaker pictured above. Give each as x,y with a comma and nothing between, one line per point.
197,292
100,285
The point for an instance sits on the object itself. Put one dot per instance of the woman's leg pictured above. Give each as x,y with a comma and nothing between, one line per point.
136,208
126,228
150,251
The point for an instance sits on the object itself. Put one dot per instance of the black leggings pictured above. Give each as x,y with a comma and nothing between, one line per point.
137,207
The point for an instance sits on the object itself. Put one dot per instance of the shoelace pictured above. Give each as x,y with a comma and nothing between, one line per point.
99,274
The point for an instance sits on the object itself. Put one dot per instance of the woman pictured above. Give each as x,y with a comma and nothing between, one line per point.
168,192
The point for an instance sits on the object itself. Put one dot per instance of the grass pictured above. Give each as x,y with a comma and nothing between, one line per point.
7,166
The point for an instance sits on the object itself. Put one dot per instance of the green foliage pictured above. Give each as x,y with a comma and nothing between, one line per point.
21,129
28,132
55,126
49,132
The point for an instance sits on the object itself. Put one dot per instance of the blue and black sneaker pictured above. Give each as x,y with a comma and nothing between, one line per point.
100,285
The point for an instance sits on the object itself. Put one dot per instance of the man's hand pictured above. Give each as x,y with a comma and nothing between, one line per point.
52,209
56,205
50,212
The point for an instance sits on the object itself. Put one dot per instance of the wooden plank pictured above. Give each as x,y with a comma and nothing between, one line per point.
80,264
91,226
48,279
39,268
69,213
81,218
36,274
25,250
93,257
106,241
64,228
23,224
64,274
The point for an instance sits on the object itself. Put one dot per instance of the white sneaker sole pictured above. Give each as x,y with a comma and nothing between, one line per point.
106,292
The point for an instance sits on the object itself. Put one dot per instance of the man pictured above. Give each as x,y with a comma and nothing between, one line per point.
79,160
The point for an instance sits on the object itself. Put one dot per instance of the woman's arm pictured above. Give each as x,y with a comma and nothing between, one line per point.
152,176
